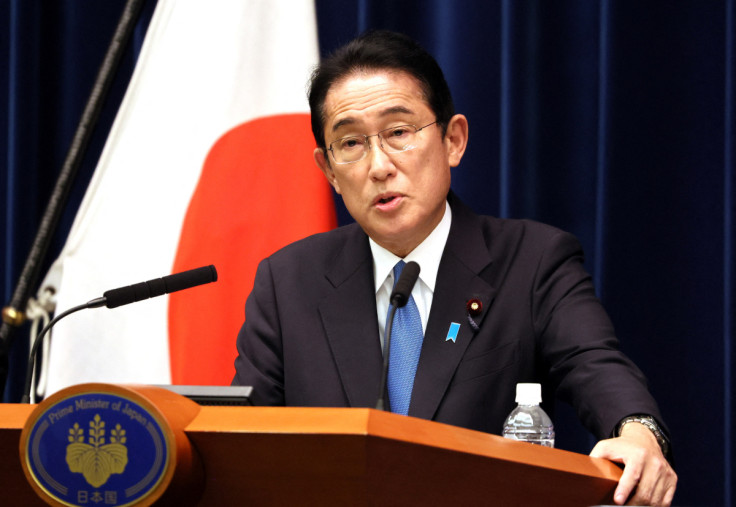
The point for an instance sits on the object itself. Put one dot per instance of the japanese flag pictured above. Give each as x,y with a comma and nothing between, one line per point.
209,161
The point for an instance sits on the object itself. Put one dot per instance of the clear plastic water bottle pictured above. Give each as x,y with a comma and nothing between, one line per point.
528,422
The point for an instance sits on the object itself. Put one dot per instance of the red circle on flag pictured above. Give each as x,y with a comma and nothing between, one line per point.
259,190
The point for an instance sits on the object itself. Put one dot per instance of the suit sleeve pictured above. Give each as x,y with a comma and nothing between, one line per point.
260,356
578,344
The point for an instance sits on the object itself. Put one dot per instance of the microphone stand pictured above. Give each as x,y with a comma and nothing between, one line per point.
95,303
13,315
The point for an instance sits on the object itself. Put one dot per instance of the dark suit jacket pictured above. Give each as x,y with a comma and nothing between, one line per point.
310,336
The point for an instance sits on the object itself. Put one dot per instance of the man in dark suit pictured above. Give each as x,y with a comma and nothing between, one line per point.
500,301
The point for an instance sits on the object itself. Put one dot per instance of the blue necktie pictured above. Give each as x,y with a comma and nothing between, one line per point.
406,344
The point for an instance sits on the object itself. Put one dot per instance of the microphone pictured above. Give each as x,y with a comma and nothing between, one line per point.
123,296
399,297
159,286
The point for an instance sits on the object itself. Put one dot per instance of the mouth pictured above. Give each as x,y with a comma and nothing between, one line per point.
387,201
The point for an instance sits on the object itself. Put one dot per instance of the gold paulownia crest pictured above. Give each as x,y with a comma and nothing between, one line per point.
96,460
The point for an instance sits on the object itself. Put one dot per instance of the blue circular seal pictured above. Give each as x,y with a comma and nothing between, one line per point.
97,448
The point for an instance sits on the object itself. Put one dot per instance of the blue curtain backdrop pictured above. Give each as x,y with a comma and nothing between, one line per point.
611,119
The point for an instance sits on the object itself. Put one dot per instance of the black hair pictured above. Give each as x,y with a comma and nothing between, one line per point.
378,50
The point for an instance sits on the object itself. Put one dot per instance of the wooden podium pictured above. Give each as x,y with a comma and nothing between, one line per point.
330,456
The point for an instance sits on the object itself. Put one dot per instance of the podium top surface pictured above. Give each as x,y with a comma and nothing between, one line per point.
373,423
352,456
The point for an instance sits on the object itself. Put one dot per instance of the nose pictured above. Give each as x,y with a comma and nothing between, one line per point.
381,165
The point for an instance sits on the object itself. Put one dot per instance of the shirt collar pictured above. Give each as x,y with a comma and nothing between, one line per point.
427,254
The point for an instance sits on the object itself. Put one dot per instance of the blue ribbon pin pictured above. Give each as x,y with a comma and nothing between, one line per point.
452,332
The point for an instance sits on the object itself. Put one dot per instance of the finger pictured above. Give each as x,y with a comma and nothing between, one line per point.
629,480
670,495
629,477
662,481
666,482
607,449
600,450
657,484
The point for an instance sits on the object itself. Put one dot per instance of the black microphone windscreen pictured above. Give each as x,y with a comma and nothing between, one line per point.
160,286
403,287
191,278
122,296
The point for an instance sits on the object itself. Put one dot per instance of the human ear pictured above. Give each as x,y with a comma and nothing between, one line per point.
456,139
320,157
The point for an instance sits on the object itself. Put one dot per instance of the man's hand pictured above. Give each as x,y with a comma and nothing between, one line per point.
647,474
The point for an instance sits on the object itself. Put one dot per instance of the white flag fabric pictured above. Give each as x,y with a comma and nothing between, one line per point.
208,162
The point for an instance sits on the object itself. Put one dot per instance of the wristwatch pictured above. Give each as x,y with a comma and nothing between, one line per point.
650,423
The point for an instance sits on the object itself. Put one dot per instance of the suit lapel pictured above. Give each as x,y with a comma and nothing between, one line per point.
349,317
464,258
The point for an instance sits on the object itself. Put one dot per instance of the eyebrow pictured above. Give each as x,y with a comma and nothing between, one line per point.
386,112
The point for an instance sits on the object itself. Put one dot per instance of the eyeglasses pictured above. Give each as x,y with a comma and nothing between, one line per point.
351,149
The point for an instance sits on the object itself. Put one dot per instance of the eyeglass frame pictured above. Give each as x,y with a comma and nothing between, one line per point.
380,142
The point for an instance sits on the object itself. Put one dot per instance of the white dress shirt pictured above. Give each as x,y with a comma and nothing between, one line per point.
427,255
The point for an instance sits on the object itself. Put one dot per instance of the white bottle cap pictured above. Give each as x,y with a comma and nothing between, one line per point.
528,394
